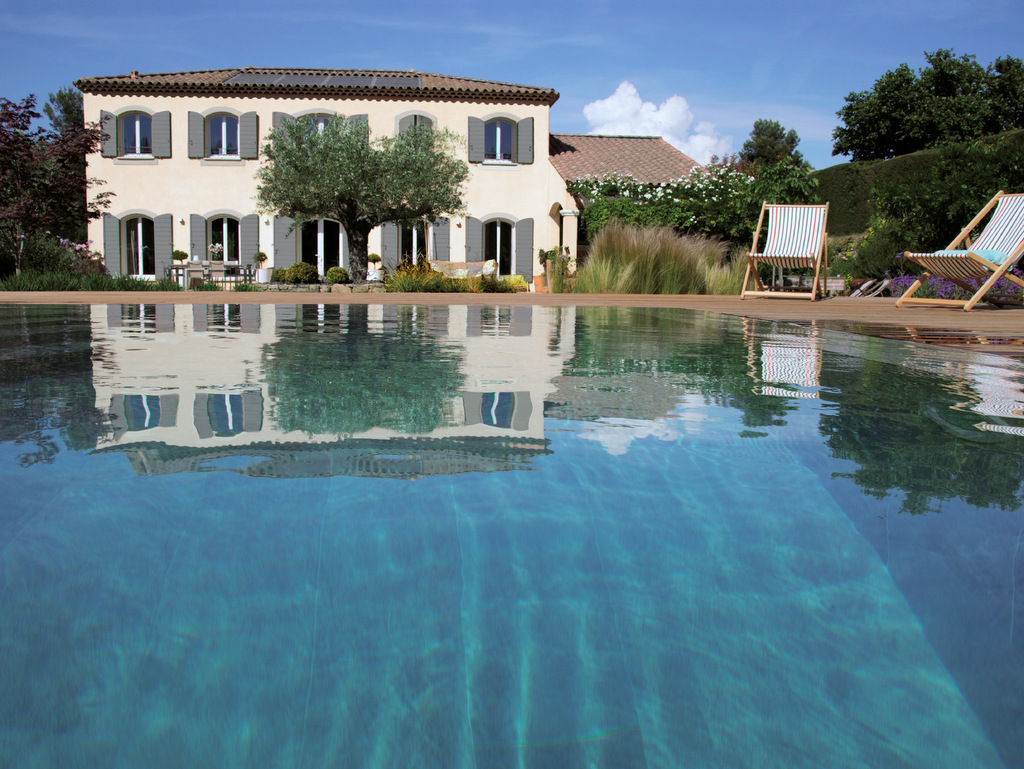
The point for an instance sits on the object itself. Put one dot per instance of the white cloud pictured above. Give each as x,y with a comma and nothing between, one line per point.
625,113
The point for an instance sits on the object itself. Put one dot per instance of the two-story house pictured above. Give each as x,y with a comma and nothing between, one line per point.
181,149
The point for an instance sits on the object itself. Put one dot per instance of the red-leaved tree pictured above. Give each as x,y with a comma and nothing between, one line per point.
42,178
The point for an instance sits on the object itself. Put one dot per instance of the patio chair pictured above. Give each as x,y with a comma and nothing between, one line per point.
984,261
796,239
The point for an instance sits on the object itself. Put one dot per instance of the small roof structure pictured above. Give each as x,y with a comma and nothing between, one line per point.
329,83
648,159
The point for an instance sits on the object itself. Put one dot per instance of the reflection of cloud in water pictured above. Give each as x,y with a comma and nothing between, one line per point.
617,434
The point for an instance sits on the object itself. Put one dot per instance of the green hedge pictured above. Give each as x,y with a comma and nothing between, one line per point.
850,188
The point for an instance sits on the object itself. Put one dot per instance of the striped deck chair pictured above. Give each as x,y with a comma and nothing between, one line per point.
796,239
982,262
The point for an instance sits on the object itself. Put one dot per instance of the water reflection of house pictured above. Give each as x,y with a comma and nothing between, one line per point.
185,388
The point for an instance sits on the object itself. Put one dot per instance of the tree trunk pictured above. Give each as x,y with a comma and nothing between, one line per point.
358,239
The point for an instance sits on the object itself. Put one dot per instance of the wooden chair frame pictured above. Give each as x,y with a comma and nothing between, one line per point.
787,262
960,269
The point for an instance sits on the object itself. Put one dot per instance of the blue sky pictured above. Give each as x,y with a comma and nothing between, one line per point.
698,73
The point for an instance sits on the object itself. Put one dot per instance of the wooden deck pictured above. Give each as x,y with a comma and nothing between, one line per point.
984,329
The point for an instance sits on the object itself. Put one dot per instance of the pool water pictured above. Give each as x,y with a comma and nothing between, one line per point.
321,536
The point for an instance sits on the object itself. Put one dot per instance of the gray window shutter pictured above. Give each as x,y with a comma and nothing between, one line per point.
389,246
163,235
112,244
252,411
284,241
442,236
524,249
108,125
476,140
249,237
524,141
196,135
198,226
162,134
280,119
249,135
405,123
165,323
200,411
474,240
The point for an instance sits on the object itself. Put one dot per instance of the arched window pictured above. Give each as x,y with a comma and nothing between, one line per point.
414,121
320,244
499,139
498,245
412,243
139,247
222,135
136,134
224,239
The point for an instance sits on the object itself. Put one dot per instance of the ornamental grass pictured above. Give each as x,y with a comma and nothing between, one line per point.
626,259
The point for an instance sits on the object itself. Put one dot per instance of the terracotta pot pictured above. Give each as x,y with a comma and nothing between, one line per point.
540,284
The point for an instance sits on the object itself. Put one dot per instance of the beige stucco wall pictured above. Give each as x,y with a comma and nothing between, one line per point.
182,186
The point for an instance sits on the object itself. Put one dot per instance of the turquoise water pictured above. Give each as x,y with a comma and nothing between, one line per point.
241,536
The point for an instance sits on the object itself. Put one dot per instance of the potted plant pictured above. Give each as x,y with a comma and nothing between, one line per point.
216,252
374,272
262,273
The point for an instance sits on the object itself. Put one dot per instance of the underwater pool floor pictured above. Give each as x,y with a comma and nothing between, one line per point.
503,537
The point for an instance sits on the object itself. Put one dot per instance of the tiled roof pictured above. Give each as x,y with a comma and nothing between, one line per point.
334,83
646,158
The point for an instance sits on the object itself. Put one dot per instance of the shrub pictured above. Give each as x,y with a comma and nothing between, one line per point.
632,260
301,273
165,284
208,285
336,275
179,256
46,253
248,287
492,285
279,275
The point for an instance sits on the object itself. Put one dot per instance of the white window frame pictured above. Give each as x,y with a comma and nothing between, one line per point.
224,219
224,133
320,241
497,245
122,133
501,124
138,257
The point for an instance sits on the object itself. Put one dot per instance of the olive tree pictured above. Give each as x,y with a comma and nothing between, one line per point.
336,171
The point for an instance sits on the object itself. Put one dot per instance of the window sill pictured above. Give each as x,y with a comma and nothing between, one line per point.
222,160
500,164
135,160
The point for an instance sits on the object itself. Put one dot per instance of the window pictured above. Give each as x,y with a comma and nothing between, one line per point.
412,243
222,135
320,244
142,412
319,122
224,239
499,140
136,134
139,247
498,245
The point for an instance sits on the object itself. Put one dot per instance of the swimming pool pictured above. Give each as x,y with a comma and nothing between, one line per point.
305,536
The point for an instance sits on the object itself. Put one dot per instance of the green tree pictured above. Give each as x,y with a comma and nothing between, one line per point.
770,143
952,99
340,173
64,110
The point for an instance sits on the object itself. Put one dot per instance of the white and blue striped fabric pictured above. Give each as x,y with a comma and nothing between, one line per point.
794,231
1002,236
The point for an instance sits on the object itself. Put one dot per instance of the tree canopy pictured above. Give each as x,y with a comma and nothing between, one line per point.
65,110
42,178
770,143
952,99
340,173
